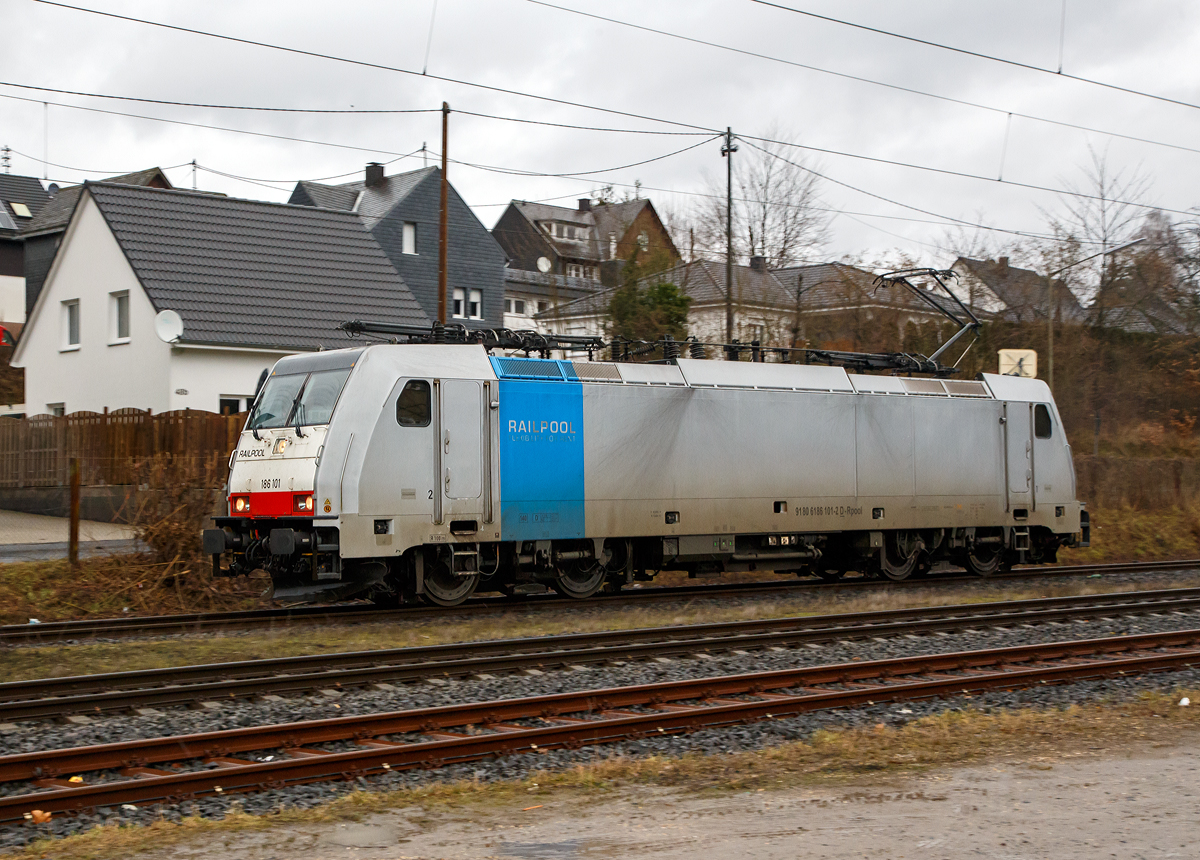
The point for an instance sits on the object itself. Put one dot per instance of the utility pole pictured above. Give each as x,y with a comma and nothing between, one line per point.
443,221
727,151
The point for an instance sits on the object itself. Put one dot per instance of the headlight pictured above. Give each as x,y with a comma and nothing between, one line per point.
241,504
303,504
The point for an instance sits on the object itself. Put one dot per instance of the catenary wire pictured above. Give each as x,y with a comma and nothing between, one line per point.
969,53
766,151
572,104
379,66
860,79
200,125
346,111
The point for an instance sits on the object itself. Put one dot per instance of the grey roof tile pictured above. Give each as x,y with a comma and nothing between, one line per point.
20,189
248,273
377,200
57,211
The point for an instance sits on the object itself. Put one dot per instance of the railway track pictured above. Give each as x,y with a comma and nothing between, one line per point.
188,766
92,694
268,619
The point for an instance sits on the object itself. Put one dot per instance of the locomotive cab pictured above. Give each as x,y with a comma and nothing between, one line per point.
270,520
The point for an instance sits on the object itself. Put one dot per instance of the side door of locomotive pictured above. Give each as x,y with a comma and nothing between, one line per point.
465,449
1018,454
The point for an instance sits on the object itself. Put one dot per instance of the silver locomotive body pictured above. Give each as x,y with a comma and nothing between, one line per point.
441,469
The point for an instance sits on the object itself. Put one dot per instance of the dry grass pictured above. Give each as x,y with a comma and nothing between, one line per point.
1129,534
108,586
87,658
945,740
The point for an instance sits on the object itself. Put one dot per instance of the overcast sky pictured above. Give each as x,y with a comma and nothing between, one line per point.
1151,46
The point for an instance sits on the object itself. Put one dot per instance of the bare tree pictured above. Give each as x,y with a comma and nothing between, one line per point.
1104,212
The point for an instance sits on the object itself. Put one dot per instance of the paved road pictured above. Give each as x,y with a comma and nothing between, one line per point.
25,537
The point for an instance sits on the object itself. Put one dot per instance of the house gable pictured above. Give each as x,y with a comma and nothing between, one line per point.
100,372
475,261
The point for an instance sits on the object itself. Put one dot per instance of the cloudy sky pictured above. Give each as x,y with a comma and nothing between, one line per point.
682,89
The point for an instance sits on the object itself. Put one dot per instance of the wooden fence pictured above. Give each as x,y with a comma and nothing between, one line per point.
36,452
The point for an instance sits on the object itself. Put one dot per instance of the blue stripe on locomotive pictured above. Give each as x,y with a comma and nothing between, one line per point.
541,460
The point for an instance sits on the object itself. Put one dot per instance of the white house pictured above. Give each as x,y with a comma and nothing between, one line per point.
250,281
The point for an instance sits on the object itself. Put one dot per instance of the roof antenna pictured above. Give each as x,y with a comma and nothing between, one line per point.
6,158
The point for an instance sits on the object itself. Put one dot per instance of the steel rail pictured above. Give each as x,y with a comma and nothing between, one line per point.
83,694
459,733
203,622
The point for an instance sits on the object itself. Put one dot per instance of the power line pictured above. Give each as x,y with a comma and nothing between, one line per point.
1016,63
556,101
257,108
963,175
197,124
512,171
750,141
860,79
87,170
338,111
378,66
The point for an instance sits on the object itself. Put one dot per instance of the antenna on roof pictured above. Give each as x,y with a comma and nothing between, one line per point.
5,158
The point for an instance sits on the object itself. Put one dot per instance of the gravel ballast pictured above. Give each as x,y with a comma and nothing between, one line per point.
233,714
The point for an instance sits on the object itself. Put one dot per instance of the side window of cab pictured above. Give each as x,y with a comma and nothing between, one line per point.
1043,425
413,406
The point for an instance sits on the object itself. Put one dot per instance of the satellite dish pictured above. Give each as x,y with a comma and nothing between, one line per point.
1018,362
168,325
544,265
53,189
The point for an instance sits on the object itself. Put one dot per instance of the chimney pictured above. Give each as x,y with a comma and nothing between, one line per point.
374,173
758,264
1003,264
585,204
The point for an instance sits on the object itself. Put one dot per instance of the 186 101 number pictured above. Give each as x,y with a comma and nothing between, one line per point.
270,483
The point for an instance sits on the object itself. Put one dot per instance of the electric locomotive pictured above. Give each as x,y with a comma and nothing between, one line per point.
398,471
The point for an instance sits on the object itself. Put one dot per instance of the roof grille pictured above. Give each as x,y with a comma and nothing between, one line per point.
924,386
526,368
590,372
963,388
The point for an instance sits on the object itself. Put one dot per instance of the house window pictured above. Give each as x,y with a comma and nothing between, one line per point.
519,306
58,410
543,307
118,313
643,240
409,237
459,297
475,307
231,405
70,324
612,246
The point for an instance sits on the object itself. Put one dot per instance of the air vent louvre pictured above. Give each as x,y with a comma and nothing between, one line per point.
593,372
527,368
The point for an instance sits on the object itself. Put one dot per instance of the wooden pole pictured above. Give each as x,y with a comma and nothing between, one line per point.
443,220
728,150
73,539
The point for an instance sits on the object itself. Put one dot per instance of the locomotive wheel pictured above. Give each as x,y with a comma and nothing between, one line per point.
899,557
442,588
985,560
580,583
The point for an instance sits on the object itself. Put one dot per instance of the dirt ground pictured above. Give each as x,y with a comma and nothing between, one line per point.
1141,804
